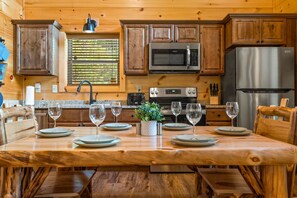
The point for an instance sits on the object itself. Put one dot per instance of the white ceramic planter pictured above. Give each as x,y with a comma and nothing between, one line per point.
149,128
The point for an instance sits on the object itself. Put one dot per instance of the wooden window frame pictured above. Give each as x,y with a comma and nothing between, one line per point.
63,70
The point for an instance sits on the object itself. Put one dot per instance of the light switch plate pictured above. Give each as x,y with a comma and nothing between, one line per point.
138,88
37,87
55,88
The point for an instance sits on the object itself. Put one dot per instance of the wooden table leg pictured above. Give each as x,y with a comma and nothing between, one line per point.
274,180
36,182
14,181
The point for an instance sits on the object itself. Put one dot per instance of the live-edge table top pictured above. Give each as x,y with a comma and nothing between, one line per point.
145,150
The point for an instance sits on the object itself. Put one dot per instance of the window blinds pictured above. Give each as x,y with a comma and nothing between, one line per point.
93,59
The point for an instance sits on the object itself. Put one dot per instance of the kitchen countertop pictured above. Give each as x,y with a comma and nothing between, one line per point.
77,104
215,106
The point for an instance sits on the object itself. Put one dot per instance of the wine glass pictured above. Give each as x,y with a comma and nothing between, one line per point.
116,109
232,110
176,109
55,111
97,115
194,114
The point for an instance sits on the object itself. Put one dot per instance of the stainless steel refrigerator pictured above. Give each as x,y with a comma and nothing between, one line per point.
258,76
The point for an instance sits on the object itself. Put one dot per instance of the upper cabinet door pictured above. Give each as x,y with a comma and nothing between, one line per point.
136,49
161,33
245,31
212,49
36,47
186,33
273,31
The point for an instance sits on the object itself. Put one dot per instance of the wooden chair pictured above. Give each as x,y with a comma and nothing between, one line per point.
19,122
229,182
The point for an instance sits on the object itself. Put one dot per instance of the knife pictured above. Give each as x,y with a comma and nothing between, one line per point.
210,89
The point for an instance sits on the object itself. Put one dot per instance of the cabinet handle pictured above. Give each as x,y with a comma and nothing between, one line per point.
219,115
79,125
262,41
258,41
83,124
132,116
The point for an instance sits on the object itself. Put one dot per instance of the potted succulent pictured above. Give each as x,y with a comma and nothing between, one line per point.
149,114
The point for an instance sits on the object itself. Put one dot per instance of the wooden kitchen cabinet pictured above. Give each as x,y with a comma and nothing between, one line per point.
136,49
255,31
128,116
212,49
186,33
36,47
180,33
217,117
80,118
161,33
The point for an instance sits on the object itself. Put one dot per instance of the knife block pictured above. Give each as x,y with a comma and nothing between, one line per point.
214,100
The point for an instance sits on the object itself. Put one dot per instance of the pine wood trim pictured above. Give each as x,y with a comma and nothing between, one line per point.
63,87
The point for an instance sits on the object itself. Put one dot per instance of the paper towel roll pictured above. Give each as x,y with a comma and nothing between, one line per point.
29,95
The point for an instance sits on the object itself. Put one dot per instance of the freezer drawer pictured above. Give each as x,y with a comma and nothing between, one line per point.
248,103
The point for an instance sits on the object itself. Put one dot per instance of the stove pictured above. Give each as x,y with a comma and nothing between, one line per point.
164,97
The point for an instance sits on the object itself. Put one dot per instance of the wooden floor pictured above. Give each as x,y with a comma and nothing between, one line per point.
142,183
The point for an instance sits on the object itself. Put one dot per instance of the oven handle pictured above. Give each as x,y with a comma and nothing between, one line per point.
188,56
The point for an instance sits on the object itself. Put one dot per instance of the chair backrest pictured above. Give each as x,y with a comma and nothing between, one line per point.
284,102
280,129
16,123
283,130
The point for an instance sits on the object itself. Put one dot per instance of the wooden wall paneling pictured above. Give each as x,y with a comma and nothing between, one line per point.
11,8
151,3
285,6
68,15
72,15
13,88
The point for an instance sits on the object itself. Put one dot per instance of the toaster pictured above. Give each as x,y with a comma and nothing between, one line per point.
135,98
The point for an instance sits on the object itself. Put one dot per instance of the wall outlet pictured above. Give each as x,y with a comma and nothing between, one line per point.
55,88
37,87
138,88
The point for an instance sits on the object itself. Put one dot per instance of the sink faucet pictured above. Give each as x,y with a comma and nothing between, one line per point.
91,89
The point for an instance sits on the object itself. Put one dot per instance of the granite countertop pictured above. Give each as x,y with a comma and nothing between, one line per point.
215,106
79,104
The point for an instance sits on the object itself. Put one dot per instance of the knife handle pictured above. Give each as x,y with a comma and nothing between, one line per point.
210,89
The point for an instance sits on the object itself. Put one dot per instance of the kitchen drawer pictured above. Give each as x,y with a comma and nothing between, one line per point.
108,118
128,115
65,124
213,115
72,115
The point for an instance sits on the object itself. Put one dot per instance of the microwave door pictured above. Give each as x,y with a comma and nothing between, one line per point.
173,57
161,58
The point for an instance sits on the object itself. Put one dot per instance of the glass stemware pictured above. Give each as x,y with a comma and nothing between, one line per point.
232,110
194,114
176,109
116,109
97,115
55,111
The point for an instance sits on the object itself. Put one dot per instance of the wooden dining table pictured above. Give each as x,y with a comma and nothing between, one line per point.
137,150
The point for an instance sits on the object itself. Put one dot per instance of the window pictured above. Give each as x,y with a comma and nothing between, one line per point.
94,58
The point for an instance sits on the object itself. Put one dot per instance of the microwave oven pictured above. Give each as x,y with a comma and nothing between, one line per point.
174,57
